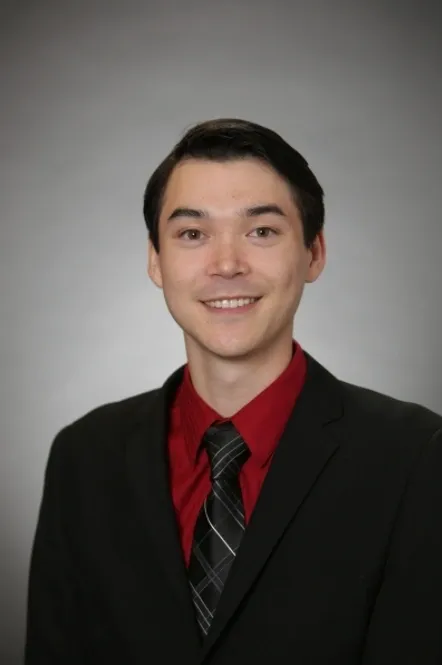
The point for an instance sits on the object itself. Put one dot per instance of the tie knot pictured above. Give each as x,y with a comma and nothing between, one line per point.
226,449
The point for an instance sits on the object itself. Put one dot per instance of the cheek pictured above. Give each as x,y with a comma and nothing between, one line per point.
179,279
290,275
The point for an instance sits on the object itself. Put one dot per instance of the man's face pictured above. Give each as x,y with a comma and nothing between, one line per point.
231,230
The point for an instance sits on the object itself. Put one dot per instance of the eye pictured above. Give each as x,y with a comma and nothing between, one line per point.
265,231
193,234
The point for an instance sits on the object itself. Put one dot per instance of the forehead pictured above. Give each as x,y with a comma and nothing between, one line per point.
245,180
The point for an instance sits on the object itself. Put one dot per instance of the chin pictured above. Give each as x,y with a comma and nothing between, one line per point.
227,348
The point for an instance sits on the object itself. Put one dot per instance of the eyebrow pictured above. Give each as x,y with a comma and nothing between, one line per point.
253,211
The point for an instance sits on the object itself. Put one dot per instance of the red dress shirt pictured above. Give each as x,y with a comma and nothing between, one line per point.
261,423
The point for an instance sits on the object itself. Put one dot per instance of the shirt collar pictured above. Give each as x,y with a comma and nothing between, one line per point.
260,422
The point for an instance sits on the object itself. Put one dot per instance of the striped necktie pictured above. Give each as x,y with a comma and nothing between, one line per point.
220,523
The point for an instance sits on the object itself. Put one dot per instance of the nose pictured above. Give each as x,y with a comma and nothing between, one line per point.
227,258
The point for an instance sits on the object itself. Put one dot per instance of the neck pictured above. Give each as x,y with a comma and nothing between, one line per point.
228,384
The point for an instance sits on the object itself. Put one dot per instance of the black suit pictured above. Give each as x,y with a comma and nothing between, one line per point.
340,564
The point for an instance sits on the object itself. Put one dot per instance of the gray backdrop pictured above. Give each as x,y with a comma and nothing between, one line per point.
93,96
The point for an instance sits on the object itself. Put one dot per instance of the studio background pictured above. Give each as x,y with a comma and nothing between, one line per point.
94,94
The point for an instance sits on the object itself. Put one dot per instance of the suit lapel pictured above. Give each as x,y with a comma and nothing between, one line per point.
303,452
300,457
147,467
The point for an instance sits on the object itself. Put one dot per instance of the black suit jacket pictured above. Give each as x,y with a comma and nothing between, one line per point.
340,564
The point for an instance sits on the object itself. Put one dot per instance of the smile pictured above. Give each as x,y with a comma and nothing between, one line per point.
232,303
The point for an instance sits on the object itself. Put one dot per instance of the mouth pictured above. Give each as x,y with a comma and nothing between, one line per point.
231,305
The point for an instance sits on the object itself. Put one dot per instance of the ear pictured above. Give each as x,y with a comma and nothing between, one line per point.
317,258
153,265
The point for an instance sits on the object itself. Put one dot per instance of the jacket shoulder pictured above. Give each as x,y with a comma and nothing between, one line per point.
112,413
379,410
103,427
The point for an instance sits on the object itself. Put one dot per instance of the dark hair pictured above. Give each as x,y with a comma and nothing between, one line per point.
226,139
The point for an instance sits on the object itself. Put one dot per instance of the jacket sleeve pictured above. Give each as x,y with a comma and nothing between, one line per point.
53,636
406,623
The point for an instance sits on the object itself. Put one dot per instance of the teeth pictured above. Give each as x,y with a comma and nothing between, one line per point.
230,304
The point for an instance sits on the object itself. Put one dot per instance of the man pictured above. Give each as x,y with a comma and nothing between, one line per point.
255,508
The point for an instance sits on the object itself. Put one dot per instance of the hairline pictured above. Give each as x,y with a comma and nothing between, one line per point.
221,159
